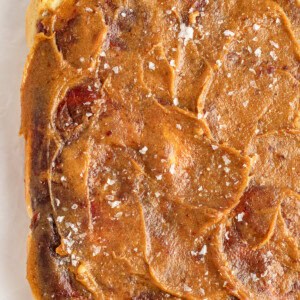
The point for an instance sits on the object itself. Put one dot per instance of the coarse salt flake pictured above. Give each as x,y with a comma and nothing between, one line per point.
228,33
245,103
157,194
219,63
203,251
116,69
143,150
240,217
226,160
257,52
172,169
151,66
186,288
273,55
114,204
96,250
186,33
159,177
59,219
110,181
274,44
256,27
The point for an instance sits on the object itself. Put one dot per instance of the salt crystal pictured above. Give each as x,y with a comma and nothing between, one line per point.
115,69
256,27
159,177
110,181
226,160
175,101
273,55
274,44
172,169
151,66
228,33
186,33
186,288
219,63
203,251
114,204
59,219
257,52
240,217
143,150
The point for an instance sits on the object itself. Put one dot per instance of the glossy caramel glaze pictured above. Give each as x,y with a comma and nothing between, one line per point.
163,150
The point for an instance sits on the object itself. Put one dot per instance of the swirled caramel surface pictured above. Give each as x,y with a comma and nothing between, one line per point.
163,150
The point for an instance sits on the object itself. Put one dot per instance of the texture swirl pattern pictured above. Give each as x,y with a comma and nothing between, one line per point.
163,149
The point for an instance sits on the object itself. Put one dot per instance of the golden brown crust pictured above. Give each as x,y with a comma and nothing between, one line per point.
162,149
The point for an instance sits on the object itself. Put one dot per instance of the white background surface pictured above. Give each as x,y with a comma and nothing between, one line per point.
14,222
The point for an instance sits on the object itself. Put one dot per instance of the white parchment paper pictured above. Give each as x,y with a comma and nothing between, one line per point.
14,222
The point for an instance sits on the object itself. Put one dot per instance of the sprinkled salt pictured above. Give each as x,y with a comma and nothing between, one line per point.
256,27
96,250
226,169
186,288
245,103
60,219
240,217
159,177
114,204
172,63
203,251
175,101
151,66
228,33
172,169
186,33
274,44
118,215
257,52
254,277
226,160
227,235
143,150
219,63
57,201
116,69
110,181
273,55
